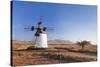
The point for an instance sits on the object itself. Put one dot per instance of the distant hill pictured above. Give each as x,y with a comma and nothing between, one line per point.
58,41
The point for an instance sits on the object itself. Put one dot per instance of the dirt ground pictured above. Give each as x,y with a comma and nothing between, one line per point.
24,53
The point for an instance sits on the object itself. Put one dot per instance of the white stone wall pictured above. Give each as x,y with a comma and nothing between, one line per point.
41,41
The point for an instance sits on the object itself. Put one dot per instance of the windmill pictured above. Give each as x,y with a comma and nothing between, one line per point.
40,35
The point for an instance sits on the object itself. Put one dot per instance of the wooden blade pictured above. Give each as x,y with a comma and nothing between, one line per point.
50,29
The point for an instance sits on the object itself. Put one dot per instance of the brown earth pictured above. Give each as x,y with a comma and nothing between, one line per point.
24,53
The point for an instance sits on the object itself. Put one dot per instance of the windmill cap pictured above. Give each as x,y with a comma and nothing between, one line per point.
39,22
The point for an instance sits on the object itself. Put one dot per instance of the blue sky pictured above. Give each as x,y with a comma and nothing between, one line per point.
70,21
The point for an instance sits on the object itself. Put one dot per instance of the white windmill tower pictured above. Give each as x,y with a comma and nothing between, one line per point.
40,35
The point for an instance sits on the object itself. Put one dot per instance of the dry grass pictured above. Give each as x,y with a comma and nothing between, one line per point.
56,53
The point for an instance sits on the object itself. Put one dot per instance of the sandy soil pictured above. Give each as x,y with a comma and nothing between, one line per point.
56,53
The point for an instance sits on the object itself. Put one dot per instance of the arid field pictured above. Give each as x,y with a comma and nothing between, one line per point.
24,53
